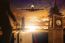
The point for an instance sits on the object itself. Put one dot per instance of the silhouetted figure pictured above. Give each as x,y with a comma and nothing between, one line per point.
5,26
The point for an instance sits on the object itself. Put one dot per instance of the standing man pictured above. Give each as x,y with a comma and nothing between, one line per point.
5,25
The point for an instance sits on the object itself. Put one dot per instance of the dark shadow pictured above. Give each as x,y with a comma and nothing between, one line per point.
64,35
5,25
41,37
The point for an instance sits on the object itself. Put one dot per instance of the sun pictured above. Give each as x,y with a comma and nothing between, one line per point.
32,28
